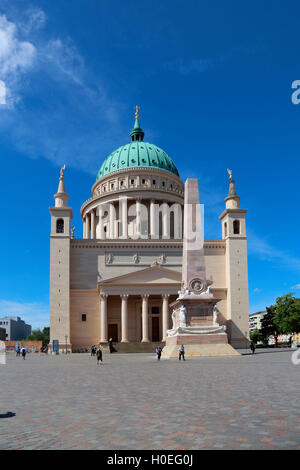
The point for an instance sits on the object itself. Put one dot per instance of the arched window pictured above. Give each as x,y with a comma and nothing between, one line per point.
160,225
225,229
236,227
172,224
59,226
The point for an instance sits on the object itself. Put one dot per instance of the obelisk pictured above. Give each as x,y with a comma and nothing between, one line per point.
193,261
194,313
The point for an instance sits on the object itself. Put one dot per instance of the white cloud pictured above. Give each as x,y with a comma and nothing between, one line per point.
296,286
2,92
36,20
16,57
35,314
261,248
185,67
66,58
256,290
44,67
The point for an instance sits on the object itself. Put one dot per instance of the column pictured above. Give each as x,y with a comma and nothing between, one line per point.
165,316
112,219
103,318
93,225
124,217
145,325
177,221
100,226
138,218
153,220
165,221
124,318
88,226
84,228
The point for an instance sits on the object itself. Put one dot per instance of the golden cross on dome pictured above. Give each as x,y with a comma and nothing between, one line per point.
137,112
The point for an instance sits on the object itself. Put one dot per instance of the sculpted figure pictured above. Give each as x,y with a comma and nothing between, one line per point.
62,171
173,319
182,316
215,315
162,259
136,259
109,258
230,174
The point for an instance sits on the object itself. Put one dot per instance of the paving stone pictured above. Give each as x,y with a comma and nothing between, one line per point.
133,402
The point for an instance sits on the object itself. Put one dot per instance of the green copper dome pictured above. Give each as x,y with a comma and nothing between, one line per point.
137,154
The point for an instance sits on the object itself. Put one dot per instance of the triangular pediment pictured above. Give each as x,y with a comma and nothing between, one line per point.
152,275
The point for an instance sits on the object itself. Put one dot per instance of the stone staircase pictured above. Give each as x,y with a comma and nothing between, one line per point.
123,348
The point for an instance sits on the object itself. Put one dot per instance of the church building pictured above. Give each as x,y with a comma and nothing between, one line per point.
118,280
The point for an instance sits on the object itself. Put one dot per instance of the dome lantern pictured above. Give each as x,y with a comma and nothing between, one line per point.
137,134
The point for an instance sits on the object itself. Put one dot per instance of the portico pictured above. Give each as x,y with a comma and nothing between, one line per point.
135,307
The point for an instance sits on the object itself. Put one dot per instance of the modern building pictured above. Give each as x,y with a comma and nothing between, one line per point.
255,320
118,279
16,328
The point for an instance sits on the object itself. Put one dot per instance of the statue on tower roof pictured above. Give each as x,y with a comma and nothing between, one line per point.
62,171
230,174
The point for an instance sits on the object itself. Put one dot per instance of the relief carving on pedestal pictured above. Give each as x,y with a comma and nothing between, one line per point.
196,285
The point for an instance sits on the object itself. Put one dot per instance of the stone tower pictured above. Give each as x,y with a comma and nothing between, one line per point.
234,232
61,216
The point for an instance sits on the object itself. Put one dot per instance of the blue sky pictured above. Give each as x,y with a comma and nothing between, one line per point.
213,80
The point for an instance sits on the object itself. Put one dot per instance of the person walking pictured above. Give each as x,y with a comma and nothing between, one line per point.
252,347
111,346
23,352
158,352
181,352
18,351
99,355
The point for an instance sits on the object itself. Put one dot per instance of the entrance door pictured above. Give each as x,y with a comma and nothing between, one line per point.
113,332
155,328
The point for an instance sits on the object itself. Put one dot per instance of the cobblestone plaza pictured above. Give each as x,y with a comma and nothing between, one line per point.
133,402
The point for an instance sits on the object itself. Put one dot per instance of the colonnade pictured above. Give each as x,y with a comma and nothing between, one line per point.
124,317
133,219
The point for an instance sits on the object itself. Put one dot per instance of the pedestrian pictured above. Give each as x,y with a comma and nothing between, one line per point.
158,352
252,347
99,355
92,351
18,351
181,352
41,350
111,347
23,352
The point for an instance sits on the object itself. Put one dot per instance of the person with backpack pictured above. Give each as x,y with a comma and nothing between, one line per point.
99,355
23,352
252,347
158,352
181,352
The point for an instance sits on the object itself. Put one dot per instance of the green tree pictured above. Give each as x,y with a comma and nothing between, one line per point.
268,327
38,335
255,336
287,314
